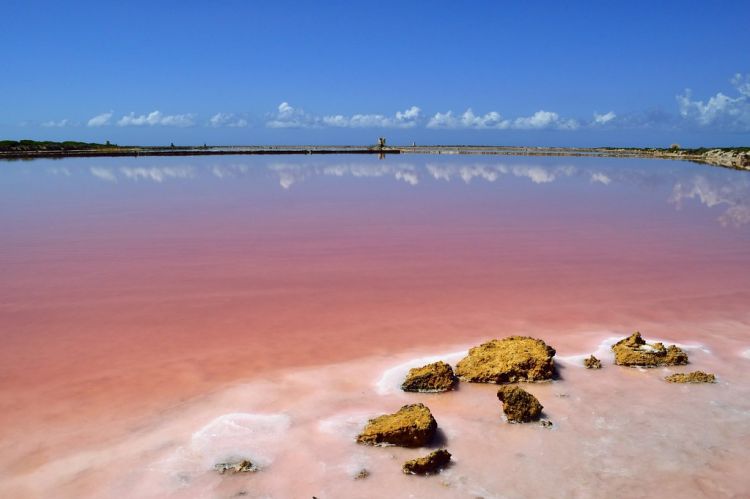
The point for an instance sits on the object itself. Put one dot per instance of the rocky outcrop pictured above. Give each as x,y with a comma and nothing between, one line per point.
412,426
435,377
693,377
431,463
732,159
519,405
241,466
634,351
592,363
512,359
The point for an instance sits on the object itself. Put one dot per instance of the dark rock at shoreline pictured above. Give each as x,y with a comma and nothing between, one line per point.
519,405
592,363
512,359
241,466
693,377
412,426
429,464
634,351
435,377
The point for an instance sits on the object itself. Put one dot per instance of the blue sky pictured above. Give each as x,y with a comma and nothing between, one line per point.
507,73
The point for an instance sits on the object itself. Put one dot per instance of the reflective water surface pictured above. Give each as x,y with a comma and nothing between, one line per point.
158,315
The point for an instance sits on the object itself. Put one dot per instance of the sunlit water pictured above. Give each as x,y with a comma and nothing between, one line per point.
160,315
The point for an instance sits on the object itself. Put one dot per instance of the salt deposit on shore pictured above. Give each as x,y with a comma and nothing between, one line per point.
302,437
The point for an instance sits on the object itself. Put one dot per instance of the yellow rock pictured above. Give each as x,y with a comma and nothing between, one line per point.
512,359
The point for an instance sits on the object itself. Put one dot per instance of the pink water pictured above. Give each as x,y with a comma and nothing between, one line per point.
160,315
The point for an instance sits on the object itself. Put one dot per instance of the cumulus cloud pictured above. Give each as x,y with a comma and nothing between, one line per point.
468,119
157,118
494,120
544,119
601,119
227,120
56,124
720,110
100,119
287,116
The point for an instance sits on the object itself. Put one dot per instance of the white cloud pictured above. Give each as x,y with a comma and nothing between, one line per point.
742,83
227,120
494,120
601,119
443,120
157,118
720,110
468,119
410,114
56,124
100,119
544,119
290,117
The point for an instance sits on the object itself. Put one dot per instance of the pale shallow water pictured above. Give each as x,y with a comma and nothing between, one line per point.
161,315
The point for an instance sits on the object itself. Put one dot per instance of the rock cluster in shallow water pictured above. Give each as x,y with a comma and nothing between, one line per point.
519,405
512,359
412,426
429,464
435,377
693,377
592,363
508,360
634,351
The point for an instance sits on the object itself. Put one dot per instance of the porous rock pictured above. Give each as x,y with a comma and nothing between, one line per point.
412,426
240,466
519,405
435,377
429,464
512,359
592,363
693,377
362,474
634,351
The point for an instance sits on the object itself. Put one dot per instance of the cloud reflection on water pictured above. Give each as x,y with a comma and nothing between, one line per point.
735,196
154,174
713,189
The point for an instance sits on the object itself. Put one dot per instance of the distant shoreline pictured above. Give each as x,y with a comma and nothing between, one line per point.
737,158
